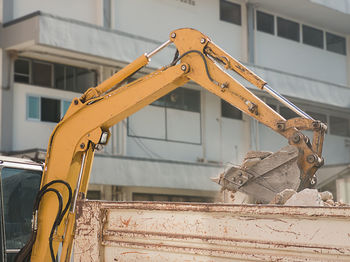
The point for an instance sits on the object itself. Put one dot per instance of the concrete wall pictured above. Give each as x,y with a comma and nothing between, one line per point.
89,11
138,17
28,134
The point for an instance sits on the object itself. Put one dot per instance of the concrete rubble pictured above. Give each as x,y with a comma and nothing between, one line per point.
306,197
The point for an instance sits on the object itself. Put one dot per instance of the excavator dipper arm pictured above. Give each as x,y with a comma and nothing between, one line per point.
71,147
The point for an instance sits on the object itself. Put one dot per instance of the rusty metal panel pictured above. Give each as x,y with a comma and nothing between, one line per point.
154,231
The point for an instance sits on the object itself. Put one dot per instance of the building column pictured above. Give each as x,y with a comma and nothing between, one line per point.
250,33
6,102
244,35
348,59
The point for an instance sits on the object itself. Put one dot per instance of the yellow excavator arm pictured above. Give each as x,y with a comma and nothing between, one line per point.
86,124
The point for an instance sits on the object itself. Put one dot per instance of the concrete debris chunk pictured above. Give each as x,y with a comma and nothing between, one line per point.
307,197
326,195
282,197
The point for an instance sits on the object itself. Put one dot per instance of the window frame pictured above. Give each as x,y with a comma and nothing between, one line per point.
61,102
273,22
232,4
164,105
279,18
222,103
341,116
53,74
315,29
30,70
339,36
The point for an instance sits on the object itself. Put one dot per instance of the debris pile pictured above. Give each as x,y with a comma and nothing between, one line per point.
306,197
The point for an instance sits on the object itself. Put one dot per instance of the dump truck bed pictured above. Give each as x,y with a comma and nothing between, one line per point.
158,231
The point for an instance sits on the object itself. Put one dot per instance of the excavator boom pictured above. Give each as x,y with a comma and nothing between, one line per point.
86,124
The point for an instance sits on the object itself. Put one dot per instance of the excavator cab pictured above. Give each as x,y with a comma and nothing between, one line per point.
19,184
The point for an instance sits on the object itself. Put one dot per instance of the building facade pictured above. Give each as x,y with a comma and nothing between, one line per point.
52,51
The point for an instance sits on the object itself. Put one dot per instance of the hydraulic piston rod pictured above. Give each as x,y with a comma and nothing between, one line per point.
287,103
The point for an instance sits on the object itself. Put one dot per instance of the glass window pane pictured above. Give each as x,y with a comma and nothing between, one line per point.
22,79
21,71
59,76
141,197
336,43
229,111
41,74
265,22
50,110
65,106
175,99
288,29
85,79
160,102
287,113
70,78
19,188
312,36
33,107
230,12
93,195
318,116
274,107
22,66
339,126
191,100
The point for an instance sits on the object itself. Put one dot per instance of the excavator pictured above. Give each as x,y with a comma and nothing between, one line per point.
85,126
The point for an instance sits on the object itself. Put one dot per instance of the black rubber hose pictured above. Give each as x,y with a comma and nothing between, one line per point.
25,252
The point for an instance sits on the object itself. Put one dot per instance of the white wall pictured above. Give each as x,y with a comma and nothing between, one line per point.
29,134
155,19
297,58
83,10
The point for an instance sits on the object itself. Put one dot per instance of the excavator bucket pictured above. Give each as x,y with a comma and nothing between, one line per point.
263,174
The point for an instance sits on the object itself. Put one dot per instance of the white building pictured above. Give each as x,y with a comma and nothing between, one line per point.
51,51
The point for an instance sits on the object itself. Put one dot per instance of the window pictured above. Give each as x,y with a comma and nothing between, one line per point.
42,74
93,195
22,71
274,107
336,43
181,98
339,126
46,109
288,29
318,116
312,36
18,188
33,107
265,22
229,111
84,79
58,76
287,113
174,117
50,110
65,106
230,12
